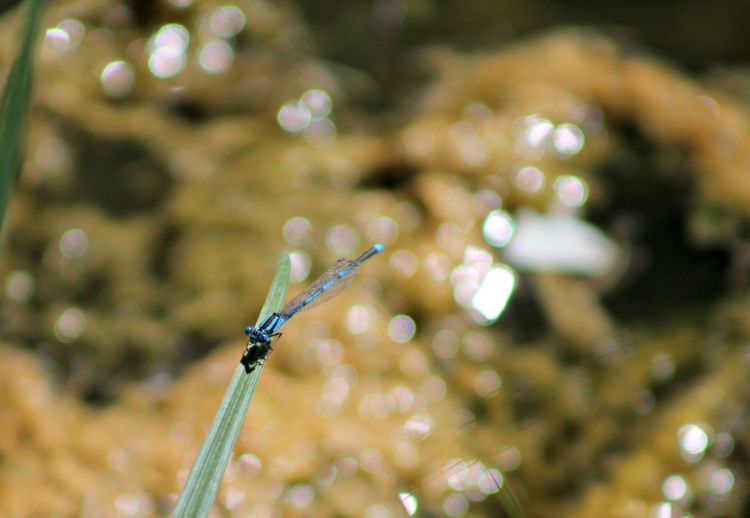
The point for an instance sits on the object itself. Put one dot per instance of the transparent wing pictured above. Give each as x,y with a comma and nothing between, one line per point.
327,286
341,284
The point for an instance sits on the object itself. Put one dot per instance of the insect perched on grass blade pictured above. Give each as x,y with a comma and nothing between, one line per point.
327,286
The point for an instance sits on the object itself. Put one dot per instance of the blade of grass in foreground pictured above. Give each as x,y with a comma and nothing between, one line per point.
200,489
15,105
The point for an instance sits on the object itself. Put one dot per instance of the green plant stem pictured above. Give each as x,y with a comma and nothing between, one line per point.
15,105
202,484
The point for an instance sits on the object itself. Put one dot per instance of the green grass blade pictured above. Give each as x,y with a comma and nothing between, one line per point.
202,484
15,105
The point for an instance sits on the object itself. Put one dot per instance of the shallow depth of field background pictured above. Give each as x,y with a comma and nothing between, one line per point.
561,311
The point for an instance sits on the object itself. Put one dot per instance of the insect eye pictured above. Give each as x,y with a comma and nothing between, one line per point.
248,330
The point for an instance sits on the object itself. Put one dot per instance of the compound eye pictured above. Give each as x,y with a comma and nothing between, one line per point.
249,330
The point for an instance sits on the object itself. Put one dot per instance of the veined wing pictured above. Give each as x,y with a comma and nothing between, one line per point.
327,286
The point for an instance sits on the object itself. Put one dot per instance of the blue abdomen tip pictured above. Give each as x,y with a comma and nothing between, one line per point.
378,247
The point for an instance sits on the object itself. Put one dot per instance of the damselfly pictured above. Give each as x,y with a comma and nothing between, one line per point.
327,286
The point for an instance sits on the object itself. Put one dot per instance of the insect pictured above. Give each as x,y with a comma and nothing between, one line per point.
327,286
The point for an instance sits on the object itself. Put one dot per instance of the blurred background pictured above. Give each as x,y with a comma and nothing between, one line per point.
560,315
